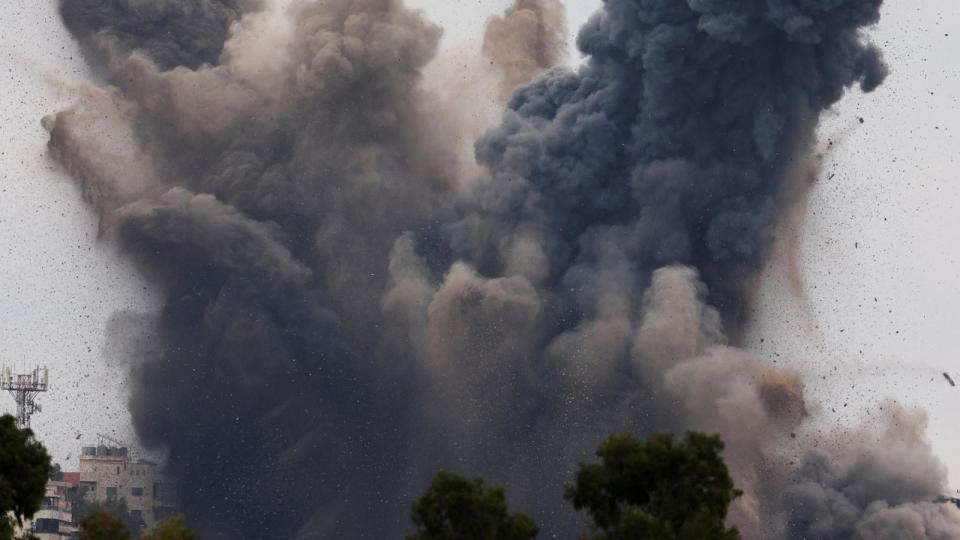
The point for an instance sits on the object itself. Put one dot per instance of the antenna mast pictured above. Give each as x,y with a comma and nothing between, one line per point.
103,439
24,388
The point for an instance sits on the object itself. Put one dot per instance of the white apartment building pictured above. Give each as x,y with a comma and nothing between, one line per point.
54,520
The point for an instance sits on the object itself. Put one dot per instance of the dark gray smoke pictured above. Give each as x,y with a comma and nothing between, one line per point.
345,314
265,192
876,483
170,32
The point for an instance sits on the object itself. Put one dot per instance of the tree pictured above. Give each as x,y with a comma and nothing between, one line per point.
101,524
116,507
24,469
56,473
458,508
172,529
658,490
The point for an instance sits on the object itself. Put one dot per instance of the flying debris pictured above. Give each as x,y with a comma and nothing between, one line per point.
949,378
344,315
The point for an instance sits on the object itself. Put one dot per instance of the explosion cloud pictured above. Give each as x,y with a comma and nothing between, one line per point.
529,38
346,313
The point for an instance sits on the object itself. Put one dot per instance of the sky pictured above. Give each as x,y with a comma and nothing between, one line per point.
880,242
878,246
58,284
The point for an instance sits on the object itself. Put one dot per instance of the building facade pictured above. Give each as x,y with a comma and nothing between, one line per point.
109,473
54,520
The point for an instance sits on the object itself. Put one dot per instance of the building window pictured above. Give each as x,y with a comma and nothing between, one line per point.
136,492
46,526
111,492
88,489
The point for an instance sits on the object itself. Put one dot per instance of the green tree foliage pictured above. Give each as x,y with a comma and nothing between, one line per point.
116,507
56,473
101,524
658,489
24,469
458,508
172,529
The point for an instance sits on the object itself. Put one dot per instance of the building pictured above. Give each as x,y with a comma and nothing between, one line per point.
107,472
54,520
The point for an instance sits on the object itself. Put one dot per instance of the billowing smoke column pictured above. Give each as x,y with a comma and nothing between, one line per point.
529,38
345,315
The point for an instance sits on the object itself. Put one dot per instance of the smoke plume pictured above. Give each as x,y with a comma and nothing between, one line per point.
472,82
529,38
346,313
170,32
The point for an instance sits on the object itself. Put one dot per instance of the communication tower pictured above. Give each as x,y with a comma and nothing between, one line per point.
24,388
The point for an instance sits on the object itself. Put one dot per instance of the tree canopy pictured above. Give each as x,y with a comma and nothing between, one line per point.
24,469
56,473
458,508
115,506
102,524
174,528
658,489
